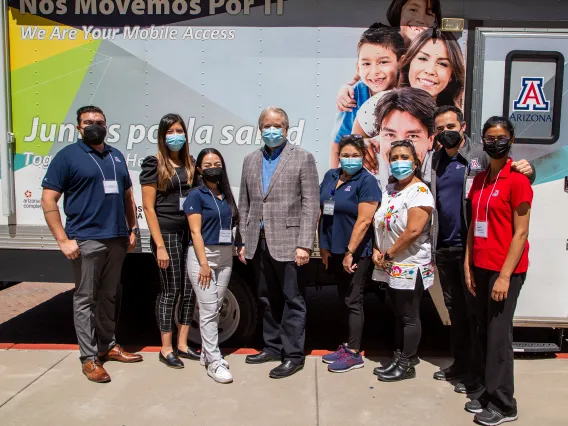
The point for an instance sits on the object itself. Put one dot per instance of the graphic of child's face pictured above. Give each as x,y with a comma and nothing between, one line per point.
400,125
378,67
415,17
430,70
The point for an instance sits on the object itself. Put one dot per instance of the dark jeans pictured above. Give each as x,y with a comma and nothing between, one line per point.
97,280
495,334
350,288
461,307
408,327
280,291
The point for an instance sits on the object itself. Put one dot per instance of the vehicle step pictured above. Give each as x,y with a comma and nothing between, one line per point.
535,347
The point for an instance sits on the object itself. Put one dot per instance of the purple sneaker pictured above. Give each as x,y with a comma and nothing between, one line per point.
331,358
347,362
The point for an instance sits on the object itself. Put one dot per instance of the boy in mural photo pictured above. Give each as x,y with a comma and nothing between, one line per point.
409,18
379,52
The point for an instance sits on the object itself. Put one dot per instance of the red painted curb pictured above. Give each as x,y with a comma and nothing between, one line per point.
6,345
44,347
562,356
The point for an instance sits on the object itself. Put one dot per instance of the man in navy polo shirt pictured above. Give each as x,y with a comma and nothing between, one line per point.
453,169
100,228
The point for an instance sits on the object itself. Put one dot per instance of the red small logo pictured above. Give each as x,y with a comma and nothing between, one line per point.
28,194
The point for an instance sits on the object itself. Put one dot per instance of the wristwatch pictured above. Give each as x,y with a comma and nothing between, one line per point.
387,256
348,250
135,231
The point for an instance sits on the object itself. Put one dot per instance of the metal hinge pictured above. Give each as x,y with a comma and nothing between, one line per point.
11,137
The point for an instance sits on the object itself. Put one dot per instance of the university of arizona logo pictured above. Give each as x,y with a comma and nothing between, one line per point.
474,165
532,96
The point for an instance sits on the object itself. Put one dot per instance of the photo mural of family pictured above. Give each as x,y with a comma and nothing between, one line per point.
404,70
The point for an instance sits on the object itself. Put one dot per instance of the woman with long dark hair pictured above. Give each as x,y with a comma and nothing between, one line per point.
403,255
166,179
212,213
496,265
435,63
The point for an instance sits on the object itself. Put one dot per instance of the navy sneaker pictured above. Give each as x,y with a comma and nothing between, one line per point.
331,358
347,362
490,417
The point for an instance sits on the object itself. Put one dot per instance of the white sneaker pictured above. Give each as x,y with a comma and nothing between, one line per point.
219,372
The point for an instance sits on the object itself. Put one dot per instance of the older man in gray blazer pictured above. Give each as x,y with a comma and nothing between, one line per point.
279,208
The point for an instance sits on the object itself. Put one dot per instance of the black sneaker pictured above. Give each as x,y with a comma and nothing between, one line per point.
450,373
474,406
490,417
469,387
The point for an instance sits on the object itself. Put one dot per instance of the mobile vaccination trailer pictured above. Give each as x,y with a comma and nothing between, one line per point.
219,63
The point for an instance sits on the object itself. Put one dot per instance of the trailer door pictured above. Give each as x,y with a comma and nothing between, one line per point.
520,74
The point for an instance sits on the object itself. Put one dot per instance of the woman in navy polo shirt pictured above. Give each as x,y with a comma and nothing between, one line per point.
497,260
349,197
165,181
212,212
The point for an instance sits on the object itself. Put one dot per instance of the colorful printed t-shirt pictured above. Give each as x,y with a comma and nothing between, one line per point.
391,220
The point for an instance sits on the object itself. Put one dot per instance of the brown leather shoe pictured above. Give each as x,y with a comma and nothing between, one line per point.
120,355
95,371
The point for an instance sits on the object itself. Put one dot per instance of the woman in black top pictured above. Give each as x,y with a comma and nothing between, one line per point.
165,180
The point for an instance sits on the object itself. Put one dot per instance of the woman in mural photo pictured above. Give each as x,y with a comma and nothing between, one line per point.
403,255
165,179
411,17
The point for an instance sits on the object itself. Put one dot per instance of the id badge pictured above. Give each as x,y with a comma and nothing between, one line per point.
468,185
181,201
480,229
225,236
328,207
111,186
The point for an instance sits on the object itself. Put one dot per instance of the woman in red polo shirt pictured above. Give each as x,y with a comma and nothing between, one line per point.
496,266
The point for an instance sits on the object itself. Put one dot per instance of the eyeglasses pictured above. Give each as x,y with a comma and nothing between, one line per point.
489,140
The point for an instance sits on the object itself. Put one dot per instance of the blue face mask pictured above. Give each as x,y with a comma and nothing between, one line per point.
401,169
351,165
272,136
175,142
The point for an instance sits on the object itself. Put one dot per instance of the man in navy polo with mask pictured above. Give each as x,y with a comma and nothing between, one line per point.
100,229
453,169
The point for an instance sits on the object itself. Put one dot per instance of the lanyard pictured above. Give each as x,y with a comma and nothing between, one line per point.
179,181
489,199
113,166
219,211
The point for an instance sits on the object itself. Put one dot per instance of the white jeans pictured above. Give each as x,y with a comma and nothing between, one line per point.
210,300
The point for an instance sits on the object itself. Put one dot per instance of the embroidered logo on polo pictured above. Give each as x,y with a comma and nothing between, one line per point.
117,159
495,193
348,189
474,164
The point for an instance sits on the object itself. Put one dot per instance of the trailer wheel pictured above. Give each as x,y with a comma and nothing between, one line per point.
238,316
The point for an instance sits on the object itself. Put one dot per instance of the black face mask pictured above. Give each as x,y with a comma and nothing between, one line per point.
94,134
213,175
498,149
449,139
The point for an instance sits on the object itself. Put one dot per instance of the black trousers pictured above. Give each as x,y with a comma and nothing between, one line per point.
495,334
280,291
406,307
461,307
350,288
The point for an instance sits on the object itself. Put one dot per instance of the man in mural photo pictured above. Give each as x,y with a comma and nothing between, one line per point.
401,114
100,229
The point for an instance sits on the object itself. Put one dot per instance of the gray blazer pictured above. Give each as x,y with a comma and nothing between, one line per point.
290,208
